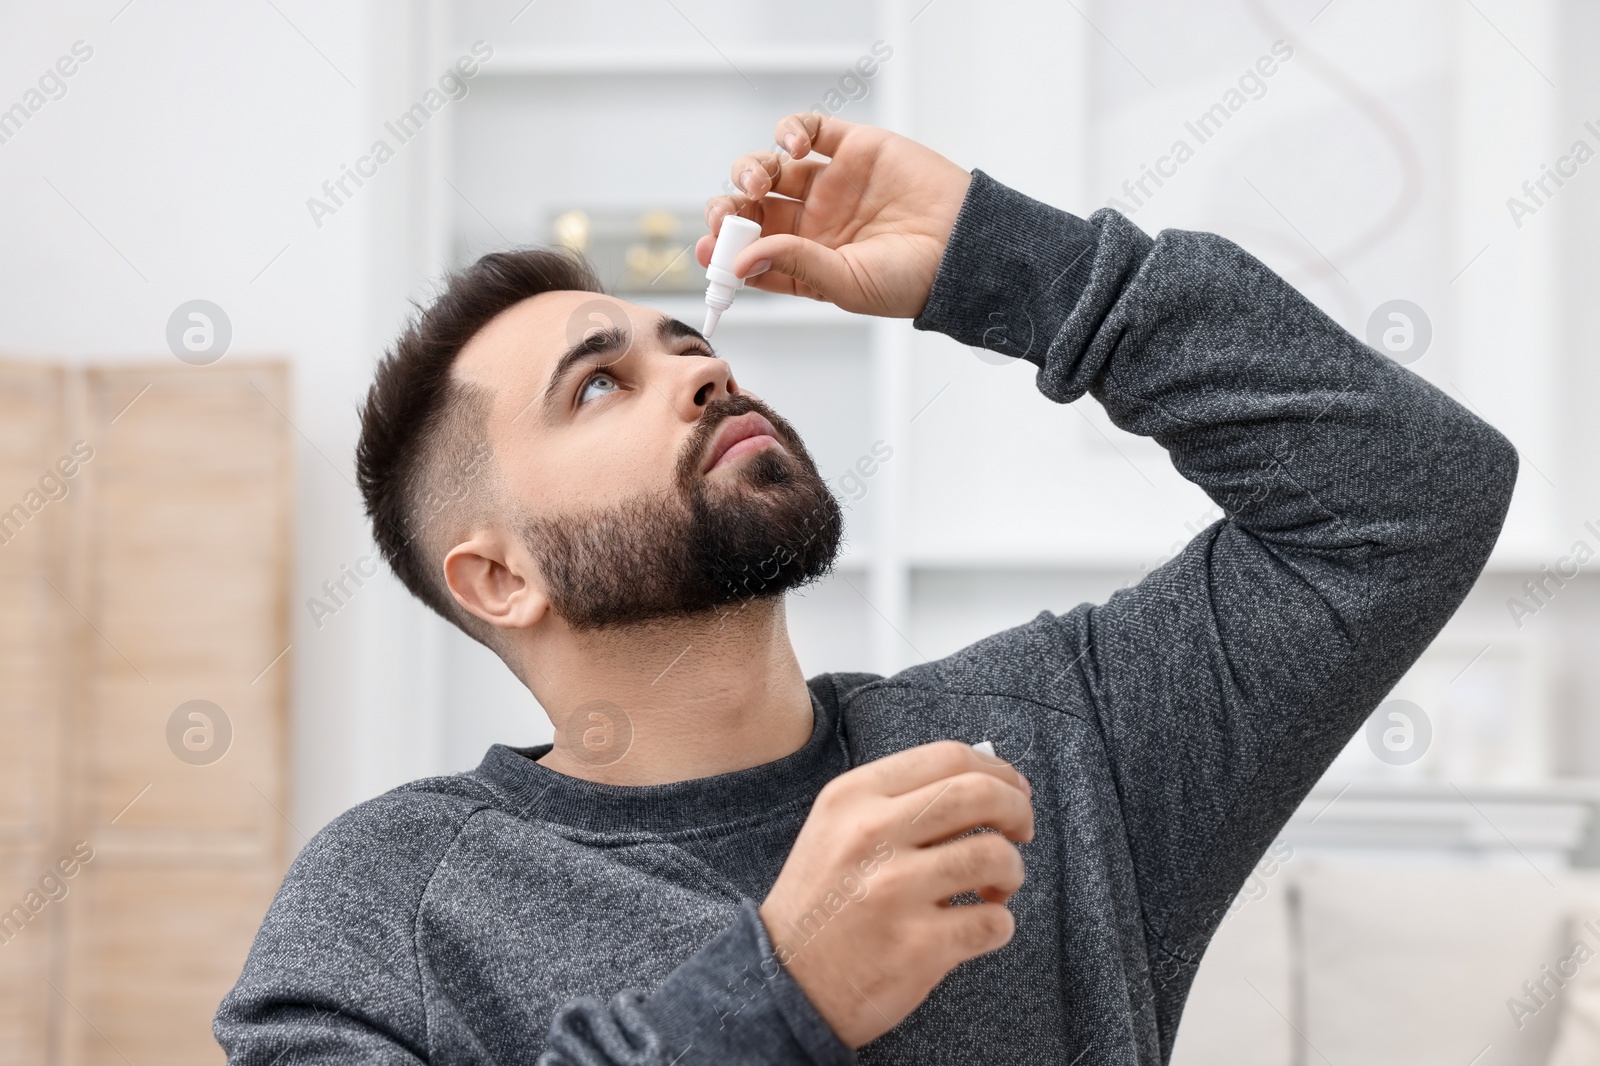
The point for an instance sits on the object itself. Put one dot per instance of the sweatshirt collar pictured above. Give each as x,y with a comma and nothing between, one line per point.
537,792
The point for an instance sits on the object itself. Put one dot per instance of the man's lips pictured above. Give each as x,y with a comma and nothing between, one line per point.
737,436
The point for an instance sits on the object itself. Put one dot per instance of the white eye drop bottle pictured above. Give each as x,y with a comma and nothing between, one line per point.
721,282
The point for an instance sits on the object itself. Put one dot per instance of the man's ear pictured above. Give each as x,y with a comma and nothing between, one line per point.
496,581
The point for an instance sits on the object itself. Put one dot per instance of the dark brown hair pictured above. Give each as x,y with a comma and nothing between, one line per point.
423,454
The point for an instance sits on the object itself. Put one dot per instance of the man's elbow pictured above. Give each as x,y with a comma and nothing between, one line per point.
1474,504
1498,463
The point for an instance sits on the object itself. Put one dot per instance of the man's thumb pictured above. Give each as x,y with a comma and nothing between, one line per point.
818,268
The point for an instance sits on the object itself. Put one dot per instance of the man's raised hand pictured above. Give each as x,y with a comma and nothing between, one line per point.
863,230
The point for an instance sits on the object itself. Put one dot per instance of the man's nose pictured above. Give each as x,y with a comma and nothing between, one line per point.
699,381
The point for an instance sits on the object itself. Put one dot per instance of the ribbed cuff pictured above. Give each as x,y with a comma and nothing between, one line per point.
733,1001
809,1029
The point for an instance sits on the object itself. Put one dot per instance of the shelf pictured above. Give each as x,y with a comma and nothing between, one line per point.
1557,816
550,62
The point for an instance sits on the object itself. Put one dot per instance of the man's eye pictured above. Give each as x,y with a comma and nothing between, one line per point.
596,387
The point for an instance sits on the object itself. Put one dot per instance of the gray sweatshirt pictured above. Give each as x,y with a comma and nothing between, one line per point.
511,914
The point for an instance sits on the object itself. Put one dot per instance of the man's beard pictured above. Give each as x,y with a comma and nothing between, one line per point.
770,527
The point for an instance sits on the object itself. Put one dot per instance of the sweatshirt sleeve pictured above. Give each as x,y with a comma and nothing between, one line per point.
732,1001
1360,503
334,975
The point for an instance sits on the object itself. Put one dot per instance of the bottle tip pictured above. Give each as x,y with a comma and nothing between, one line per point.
712,314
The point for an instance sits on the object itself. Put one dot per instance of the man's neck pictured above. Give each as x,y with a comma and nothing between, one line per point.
673,701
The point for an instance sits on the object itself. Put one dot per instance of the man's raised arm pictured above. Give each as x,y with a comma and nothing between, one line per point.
1360,502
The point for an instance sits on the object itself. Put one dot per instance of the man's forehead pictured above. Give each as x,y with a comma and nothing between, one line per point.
520,345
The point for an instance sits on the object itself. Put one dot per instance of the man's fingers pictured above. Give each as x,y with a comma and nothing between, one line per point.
779,216
772,215
754,173
796,176
983,863
967,932
760,173
993,895
811,131
904,771
944,809
769,280
720,207
811,265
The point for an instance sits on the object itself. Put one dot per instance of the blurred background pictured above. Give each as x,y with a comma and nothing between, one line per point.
217,216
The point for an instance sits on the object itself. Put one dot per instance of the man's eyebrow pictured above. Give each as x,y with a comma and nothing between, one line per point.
610,341
671,329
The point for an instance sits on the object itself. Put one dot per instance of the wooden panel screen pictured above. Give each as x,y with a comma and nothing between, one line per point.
143,647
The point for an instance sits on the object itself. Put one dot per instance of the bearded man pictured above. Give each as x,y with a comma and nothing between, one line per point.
720,861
